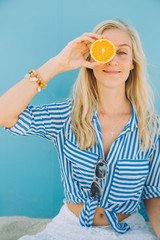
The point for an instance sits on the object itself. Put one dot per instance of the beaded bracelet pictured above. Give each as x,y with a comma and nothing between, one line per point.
34,76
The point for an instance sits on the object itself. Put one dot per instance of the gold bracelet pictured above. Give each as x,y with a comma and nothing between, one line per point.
34,76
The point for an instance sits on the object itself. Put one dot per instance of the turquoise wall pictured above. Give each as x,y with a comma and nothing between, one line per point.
32,32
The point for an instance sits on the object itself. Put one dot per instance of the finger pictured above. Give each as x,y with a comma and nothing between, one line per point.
85,39
90,64
93,35
96,36
104,37
89,45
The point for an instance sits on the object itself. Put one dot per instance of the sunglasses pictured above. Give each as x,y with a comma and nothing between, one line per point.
101,171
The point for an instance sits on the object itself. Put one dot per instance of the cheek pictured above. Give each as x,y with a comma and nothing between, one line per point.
126,65
126,72
97,70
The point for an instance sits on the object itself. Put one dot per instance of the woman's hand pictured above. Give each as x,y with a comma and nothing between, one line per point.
73,55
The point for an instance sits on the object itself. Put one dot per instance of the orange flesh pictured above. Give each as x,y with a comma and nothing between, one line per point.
102,50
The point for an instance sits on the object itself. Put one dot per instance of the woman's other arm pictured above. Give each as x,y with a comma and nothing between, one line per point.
152,207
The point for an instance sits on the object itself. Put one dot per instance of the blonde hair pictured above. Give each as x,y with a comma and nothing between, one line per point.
138,91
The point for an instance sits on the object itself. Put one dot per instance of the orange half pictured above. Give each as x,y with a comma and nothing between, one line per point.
102,50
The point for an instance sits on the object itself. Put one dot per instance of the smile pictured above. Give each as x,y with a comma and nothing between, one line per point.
111,72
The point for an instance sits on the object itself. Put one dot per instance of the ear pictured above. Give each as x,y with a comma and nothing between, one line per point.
132,66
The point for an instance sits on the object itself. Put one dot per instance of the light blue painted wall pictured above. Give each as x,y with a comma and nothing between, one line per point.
31,32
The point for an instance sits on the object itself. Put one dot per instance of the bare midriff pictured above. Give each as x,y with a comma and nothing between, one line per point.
99,215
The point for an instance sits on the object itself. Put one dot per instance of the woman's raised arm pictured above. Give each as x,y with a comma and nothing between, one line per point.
15,100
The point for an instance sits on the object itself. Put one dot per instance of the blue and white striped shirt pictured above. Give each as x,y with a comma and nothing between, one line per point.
133,174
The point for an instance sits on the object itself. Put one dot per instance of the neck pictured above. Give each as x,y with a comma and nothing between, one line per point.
112,102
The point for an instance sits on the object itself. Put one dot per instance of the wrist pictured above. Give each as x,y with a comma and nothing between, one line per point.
50,69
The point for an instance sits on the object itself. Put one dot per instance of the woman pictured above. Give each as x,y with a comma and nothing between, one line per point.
107,136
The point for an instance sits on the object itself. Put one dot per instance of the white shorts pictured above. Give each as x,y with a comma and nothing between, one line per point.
66,226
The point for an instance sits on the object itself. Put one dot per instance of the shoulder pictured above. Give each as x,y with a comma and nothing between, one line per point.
56,105
64,106
156,128
67,102
157,124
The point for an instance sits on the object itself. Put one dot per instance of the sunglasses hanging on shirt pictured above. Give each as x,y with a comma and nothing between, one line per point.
101,171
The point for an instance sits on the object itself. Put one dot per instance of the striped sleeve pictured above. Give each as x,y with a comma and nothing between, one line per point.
152,183
43,120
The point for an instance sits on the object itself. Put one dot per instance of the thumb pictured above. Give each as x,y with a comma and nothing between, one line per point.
91,65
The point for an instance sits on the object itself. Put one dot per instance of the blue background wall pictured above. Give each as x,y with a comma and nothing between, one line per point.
31,32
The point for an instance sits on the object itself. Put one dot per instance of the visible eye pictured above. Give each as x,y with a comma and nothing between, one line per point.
121,53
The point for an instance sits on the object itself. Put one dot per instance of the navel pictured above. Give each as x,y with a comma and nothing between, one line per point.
101,215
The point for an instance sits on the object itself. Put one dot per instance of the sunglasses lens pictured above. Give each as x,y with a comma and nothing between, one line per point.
95,191
101,169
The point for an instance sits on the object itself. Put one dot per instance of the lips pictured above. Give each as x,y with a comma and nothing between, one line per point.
111,72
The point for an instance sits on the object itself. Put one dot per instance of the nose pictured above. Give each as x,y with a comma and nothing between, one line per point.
113,62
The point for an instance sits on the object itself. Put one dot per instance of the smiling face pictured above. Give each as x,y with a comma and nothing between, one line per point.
116,72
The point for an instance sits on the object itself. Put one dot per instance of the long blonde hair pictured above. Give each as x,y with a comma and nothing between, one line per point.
138,91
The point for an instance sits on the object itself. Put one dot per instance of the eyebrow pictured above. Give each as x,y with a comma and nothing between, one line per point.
124,44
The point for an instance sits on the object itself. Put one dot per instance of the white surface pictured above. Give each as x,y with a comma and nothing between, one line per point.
12,228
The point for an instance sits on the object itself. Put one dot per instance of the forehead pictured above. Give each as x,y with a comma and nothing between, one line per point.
117,36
